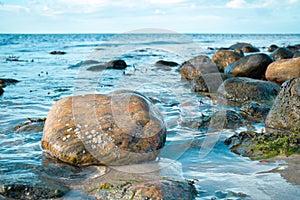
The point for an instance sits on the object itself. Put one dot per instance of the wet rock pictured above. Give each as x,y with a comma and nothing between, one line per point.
283,70
166,63
209,82
1,91
223,58
281,53
272,48
229,120
296,54
154,189
114,64
197,66
119,128
31,126
117,64
293,48
246,89
264,145
20,191
254,111
245,47
285,112
57,52
7,81
252,66
84,63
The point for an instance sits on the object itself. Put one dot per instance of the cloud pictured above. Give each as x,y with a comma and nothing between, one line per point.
236,4
164,1
159,12
14,8
293,1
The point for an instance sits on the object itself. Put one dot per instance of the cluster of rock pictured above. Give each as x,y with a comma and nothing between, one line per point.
265,87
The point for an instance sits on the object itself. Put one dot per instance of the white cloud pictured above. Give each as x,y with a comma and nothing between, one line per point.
159,12
293,1
236,4
14,8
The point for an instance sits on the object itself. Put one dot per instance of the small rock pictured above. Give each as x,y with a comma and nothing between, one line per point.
272,48
245,47
166,63
251,66
223,58
7,81
281,53
119,128
197,66
1,91
283,70
209,82
57,52
285,112
116,64
246,89
32,126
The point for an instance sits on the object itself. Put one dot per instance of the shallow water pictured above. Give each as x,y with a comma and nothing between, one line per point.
46,78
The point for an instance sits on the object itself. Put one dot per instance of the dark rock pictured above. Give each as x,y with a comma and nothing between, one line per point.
245,47
223,58
281,53
229,120
296,54
292,48
119,128
117,64
57,52
1,91
283,70
272,48
166,63
264,145
97,68
32,126
254,111
196,67
285,112
251,66
153,189
209,82
19,191
84,63
7,81
246,89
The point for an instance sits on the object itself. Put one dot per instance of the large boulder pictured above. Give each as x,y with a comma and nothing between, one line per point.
114,129
252,66
285,112
223,58
245,47
281,53
197,66
283,70
209,82
245,89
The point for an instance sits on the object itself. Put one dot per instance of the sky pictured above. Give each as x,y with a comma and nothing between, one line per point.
119,16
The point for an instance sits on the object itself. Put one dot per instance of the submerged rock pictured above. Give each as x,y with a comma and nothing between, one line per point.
264,145
57,52
209,82
166,63
1,91
254,111
119,128
285,112
272,48
153,189
283,70
196,67
281,53
247,89
7,81
251,66
223,58
33,125
245,47
114,64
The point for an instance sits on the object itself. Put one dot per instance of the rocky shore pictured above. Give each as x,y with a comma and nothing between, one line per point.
118,137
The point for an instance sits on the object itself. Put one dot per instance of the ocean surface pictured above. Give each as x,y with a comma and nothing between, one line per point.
46,78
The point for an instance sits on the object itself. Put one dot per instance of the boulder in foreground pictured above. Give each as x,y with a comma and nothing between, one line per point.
115,129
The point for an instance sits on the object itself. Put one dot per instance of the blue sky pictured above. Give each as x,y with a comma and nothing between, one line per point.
183,16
